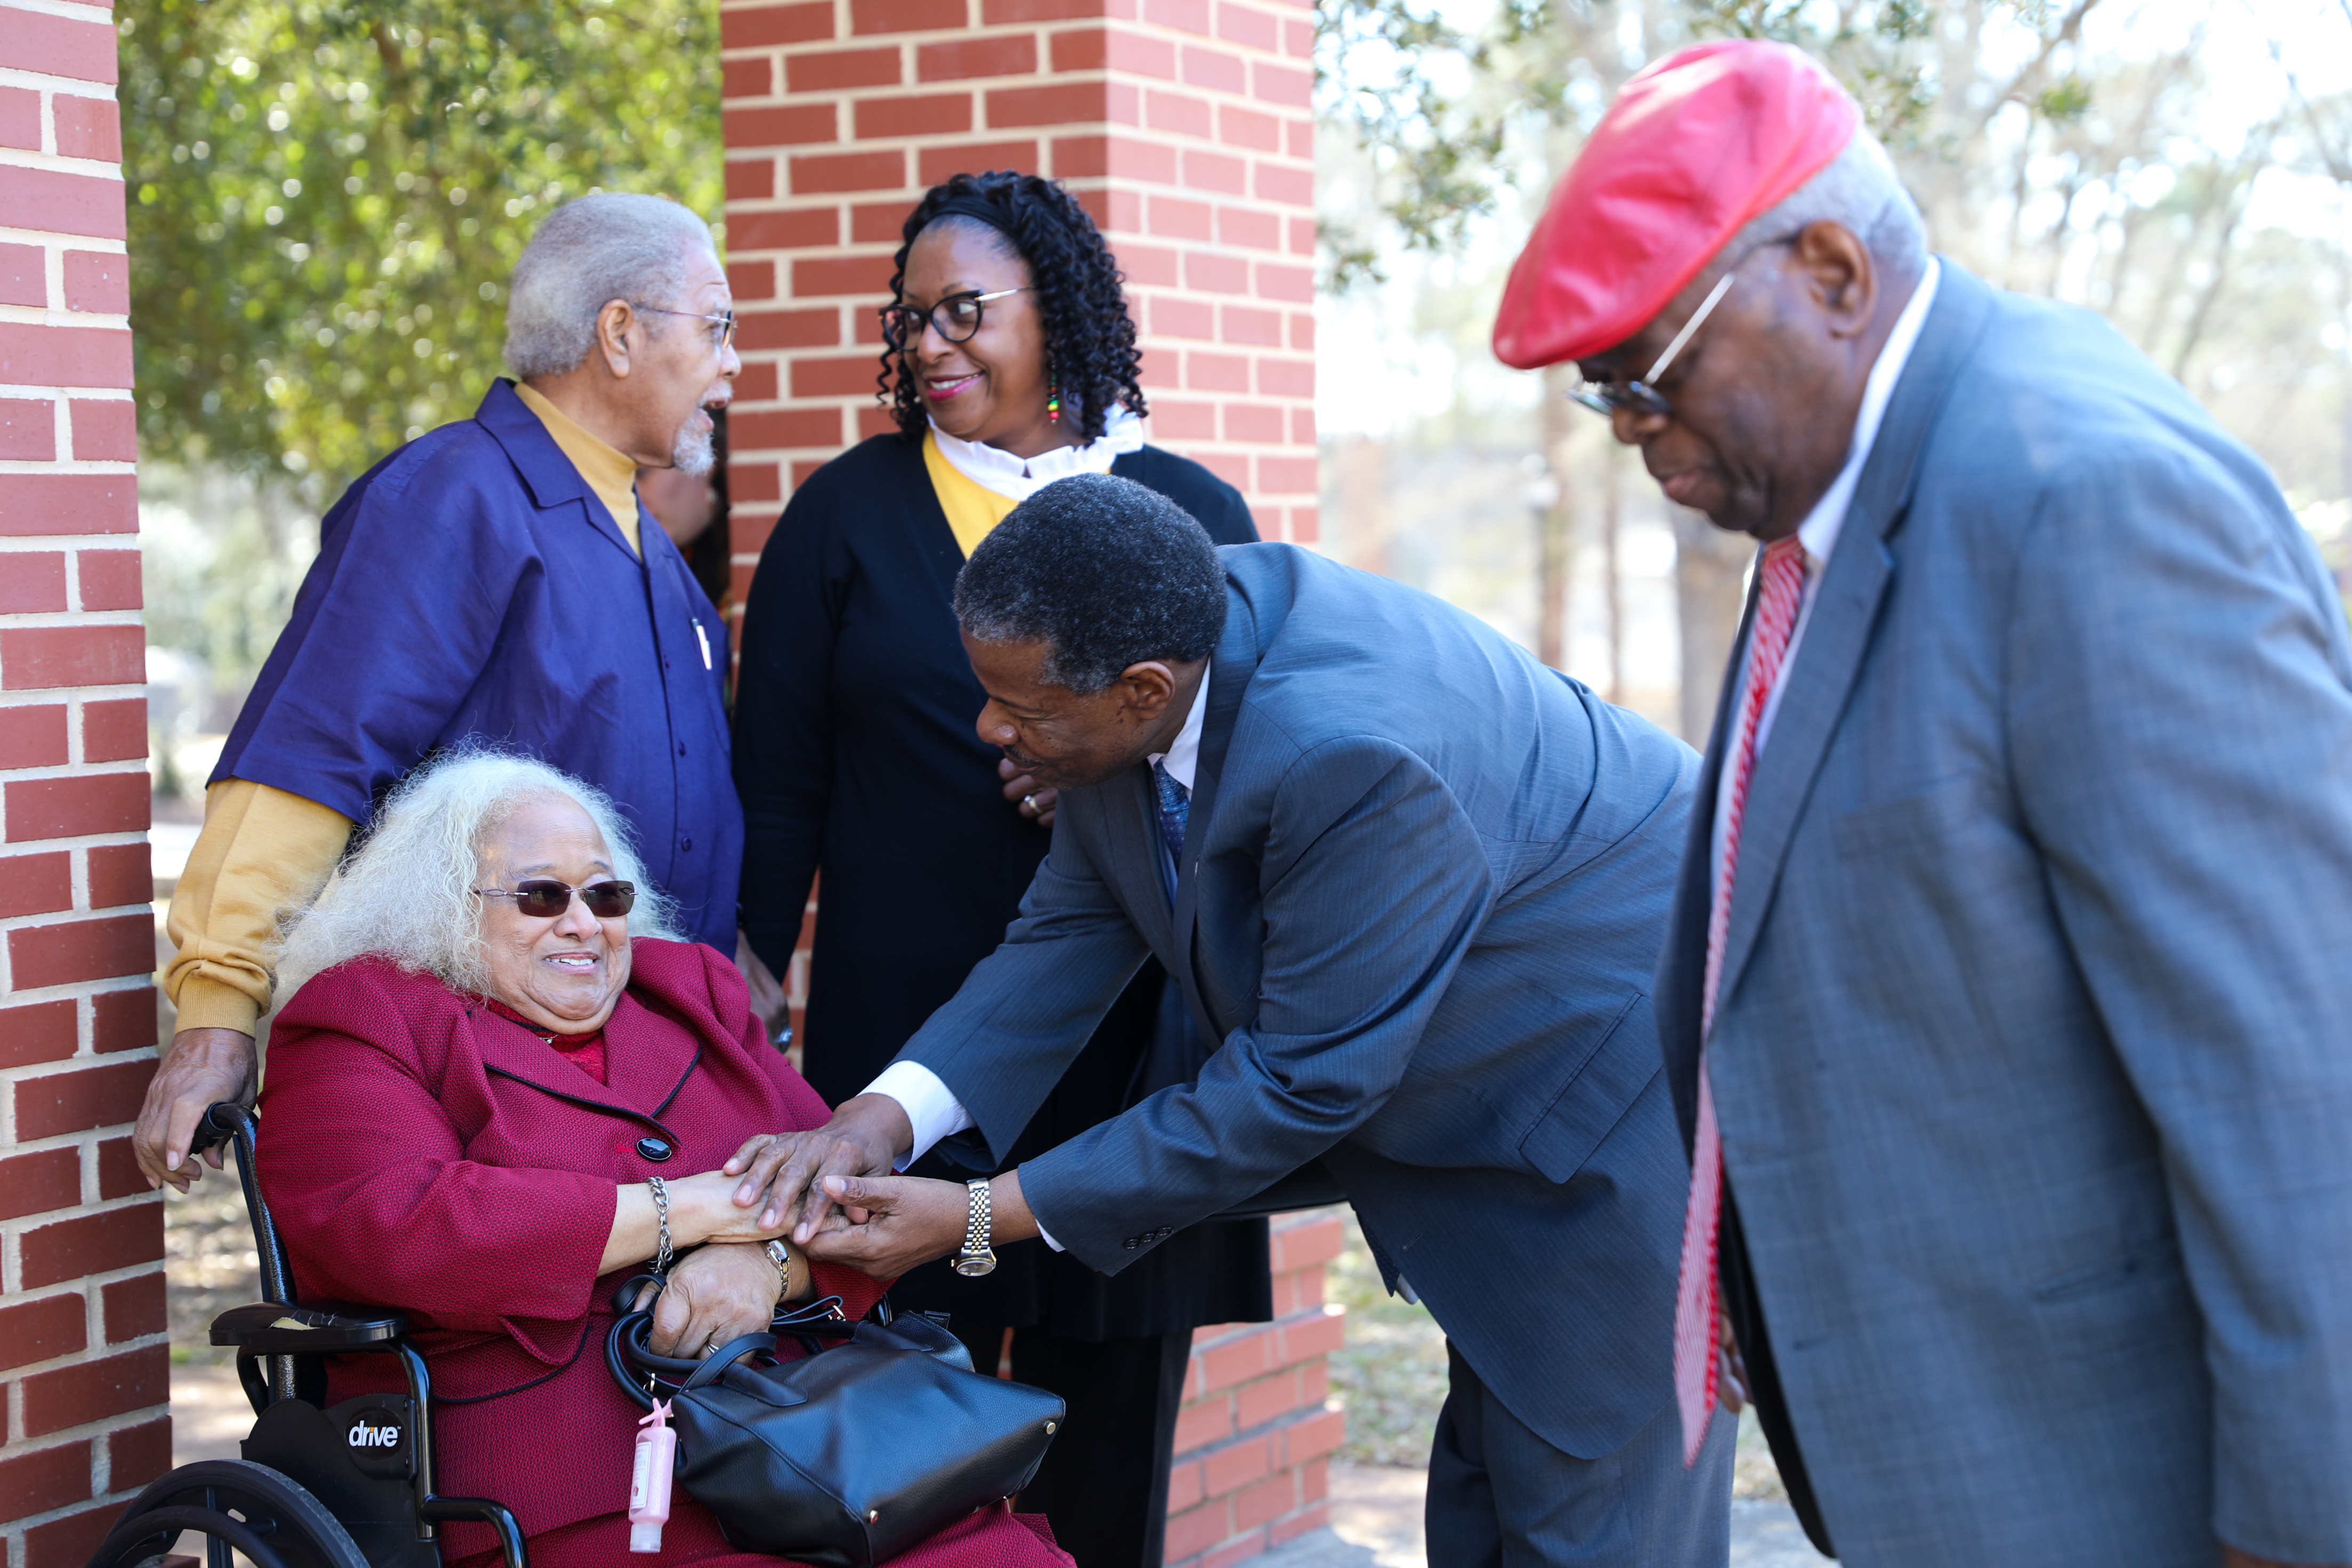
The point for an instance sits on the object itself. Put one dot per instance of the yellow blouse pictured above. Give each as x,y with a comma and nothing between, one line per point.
972,508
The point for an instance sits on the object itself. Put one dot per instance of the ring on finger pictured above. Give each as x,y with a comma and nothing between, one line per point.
1030,801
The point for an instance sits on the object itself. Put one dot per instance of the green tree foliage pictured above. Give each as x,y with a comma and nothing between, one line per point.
329,195
1455,115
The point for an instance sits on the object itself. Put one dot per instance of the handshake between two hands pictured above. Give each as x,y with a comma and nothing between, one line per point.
831,1190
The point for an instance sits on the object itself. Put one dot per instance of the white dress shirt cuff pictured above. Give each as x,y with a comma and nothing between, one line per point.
931,1109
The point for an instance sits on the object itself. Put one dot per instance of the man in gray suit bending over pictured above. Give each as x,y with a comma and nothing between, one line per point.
2007,1002
1412,884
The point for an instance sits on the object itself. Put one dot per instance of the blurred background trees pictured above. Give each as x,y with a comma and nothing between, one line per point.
326,200
2183,168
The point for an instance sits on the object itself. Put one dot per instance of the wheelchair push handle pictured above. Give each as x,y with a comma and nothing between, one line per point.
221,1125
226,1122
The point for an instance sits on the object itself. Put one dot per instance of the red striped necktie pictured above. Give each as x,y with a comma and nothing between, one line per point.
1698,1306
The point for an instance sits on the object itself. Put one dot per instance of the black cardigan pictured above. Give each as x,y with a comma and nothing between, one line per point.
855,755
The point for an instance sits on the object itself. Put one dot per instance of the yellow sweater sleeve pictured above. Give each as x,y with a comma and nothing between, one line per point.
260,851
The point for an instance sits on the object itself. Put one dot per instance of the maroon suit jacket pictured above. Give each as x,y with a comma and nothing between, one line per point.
420,1151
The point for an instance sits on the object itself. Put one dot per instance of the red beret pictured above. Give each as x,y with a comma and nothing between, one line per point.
1694,147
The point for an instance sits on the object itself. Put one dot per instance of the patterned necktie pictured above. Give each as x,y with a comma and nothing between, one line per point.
1779,594
1175,811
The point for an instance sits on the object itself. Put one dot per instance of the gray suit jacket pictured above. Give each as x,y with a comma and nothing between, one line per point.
2033,1058
1420,898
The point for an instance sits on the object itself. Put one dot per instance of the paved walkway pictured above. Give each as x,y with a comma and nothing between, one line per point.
1376,1523
1375,1509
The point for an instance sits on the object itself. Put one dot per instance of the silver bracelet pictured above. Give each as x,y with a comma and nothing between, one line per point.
661,1216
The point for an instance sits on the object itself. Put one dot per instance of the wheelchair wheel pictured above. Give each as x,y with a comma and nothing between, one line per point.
251,1509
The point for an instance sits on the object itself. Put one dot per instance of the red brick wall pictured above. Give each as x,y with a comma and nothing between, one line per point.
1182,124
1253,1441
1184,127
83,1372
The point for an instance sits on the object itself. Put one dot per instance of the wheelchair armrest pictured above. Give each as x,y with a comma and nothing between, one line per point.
271,1328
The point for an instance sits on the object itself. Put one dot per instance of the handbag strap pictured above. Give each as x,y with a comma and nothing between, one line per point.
715,1366
632,1364
617,1358
825,1309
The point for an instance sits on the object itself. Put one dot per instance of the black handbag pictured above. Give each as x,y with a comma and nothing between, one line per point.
851,1456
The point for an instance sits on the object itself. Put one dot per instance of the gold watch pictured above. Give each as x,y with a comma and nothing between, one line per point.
978,1257
781,1257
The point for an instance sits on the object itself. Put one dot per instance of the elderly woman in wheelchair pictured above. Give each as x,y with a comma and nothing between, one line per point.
500,1089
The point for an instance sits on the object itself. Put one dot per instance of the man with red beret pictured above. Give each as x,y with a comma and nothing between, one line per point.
2003,1000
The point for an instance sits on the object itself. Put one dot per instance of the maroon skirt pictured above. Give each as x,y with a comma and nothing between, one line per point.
996,1536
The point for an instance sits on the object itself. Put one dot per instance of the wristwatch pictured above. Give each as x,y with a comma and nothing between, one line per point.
978,1256
781,1257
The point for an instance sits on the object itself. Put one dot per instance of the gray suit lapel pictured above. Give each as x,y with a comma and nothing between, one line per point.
1230,669
1837,632
1131,819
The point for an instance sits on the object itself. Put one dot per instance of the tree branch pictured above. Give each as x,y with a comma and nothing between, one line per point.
2069,31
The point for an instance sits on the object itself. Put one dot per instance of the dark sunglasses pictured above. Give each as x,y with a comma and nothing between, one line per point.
546,900
956,318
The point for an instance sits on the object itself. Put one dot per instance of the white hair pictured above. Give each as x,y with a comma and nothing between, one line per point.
406,894
1858,189
589,253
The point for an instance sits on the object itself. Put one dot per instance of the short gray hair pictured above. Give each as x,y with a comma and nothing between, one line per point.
1105,572
406,894
589,253
1858,189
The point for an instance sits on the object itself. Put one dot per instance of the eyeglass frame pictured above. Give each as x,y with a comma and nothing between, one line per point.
932,316
1642,396
725,321
535,887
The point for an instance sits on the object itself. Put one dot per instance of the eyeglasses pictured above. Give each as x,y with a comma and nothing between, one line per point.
1643,397
722,326
903,325
544,900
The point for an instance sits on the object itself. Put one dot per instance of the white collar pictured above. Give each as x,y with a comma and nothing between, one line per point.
1819,532
1018,478
1183,754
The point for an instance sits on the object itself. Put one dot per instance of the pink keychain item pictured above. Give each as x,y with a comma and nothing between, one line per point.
649,1479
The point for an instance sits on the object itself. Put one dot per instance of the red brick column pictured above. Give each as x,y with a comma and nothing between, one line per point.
1253,1441
82,1356
1182,124
1184,127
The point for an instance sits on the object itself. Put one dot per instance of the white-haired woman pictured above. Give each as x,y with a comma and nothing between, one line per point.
495,1041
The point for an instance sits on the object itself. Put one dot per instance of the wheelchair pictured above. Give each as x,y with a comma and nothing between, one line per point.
348,1486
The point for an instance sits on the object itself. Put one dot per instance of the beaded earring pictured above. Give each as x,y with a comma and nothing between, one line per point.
1052,396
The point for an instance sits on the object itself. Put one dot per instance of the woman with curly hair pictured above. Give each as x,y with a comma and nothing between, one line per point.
1009,360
